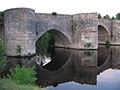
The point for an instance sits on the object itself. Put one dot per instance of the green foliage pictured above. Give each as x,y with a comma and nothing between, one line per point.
7,84
107,43
87,45
106,17
2,54
118,16
87,53
44,43
1,17
2,48
113,18
99,16
18,49
23,75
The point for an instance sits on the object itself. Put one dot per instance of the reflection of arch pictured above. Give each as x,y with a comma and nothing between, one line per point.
103,59
63,74
58,61
103,54
61,39
105,66
103,33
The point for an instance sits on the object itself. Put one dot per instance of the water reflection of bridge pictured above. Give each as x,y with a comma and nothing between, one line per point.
81,66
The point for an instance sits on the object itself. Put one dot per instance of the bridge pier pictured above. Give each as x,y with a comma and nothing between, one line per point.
20,35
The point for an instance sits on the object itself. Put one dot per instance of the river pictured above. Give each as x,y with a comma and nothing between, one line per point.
77,69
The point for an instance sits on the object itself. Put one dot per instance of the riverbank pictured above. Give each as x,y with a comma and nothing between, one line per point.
7,84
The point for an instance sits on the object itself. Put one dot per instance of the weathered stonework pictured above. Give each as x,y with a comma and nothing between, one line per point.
115,32
19,27
22,27
85,31
58,25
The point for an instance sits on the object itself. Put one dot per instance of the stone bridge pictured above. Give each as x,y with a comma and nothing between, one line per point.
22,26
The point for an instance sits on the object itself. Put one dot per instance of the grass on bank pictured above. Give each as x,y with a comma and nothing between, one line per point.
7,84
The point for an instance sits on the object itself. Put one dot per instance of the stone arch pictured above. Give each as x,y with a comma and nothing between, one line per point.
103,33
61,39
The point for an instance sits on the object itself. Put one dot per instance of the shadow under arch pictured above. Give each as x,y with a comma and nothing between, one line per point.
103,34
61,39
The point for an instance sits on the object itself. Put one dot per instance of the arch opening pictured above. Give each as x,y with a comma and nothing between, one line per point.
51,39
103,35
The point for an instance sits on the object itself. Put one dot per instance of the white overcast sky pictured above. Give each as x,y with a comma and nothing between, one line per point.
104,7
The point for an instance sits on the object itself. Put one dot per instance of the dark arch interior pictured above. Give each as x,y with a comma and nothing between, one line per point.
60,39
103,35
57,39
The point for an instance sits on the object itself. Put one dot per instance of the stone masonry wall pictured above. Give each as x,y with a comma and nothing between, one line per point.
115,32
19,27
85,31
58,25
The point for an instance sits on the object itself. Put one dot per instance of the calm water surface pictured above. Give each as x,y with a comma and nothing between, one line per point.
78,69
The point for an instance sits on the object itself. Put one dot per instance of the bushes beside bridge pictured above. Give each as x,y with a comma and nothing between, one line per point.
2,55
21,78
1,17
7,84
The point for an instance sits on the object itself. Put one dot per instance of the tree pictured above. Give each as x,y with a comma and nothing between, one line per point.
2,55
107,17
113,18
1,17
44,43
99,16
118,16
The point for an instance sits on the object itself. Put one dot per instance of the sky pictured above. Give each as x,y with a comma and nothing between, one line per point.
110,7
